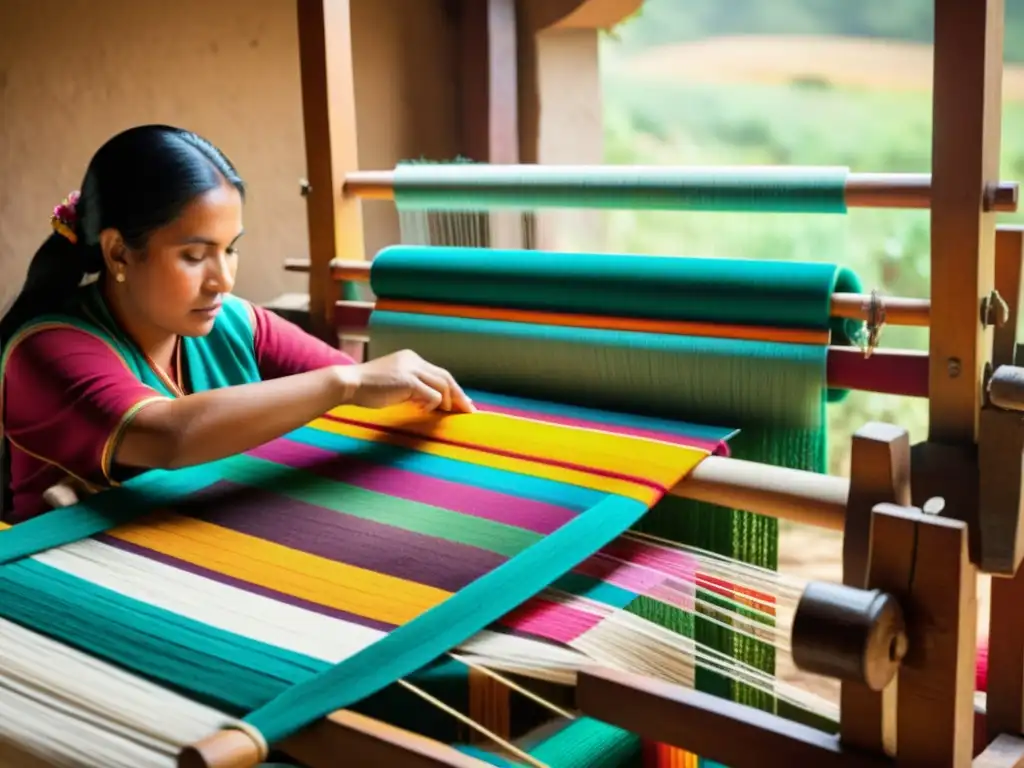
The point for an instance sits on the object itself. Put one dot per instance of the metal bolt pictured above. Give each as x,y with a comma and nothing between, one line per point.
994,310
953,367
305,188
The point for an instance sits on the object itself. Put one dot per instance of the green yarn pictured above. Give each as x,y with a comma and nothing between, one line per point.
477,187
618,370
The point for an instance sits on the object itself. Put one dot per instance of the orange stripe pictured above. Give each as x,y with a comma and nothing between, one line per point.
674,327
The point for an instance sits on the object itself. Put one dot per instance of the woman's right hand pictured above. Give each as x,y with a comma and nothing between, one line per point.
403,377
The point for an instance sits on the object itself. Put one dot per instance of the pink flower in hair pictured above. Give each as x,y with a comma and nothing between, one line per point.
65,217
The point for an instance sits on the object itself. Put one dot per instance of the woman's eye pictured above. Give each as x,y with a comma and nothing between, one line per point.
194,258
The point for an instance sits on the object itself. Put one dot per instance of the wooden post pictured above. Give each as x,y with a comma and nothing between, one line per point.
329,117
490,99
935,708
966,114
1005,700
879,473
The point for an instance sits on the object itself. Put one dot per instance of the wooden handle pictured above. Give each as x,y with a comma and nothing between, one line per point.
230,748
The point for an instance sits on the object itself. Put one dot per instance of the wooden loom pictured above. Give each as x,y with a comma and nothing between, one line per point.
907,670
970,467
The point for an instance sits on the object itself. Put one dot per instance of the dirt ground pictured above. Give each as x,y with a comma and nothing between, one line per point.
842,61
810,553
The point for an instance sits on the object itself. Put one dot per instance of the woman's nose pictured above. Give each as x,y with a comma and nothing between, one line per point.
221,277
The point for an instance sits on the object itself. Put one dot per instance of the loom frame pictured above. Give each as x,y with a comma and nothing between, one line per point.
889,542
968,434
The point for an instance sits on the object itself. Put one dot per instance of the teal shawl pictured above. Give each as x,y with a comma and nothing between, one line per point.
225,357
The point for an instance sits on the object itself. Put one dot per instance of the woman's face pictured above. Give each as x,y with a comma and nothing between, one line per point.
178,283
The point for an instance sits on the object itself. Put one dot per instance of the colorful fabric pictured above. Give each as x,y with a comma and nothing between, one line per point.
70,384
399,535
707,340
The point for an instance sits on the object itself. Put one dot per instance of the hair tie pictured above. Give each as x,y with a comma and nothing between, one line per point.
65,217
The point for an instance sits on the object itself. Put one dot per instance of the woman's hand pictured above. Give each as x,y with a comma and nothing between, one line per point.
403,377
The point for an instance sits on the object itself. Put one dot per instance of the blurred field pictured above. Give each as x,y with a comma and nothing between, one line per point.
778,59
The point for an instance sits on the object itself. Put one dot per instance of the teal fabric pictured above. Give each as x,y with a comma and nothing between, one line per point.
582,743
224,357
480,187
781,294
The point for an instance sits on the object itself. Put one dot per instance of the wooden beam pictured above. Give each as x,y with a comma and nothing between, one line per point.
329,118
489,100
577,14
728,733
966,114
879,473
935,705
490,82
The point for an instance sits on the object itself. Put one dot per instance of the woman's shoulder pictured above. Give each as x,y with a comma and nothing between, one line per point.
61,348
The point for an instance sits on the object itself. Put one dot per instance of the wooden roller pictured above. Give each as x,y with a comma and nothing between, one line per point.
849,634
229,748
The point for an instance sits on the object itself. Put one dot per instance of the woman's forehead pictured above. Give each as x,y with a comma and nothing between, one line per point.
213,218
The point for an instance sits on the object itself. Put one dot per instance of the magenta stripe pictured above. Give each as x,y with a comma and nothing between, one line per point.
621,574
500,452
677,564
552,621
665,437
536,516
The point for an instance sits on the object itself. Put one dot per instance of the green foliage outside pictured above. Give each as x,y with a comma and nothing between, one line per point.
675,21
681,123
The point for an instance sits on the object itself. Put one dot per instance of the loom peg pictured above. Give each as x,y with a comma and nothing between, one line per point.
849,634
998,536
1006,388
228,748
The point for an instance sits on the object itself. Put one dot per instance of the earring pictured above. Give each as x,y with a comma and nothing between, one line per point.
119,277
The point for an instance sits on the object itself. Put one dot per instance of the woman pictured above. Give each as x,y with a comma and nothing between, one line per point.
154,364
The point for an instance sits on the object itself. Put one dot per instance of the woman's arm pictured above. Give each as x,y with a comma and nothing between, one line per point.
70,401
205,426
212,425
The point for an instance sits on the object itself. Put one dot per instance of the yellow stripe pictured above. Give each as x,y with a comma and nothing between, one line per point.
663,464
641,493
273,566
4,526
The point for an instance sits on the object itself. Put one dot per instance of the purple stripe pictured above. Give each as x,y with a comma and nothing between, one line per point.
529,515
206,573
377,547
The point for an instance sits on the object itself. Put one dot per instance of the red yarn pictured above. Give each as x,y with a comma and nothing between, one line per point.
981,666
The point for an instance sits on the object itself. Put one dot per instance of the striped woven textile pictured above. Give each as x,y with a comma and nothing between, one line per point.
277,564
